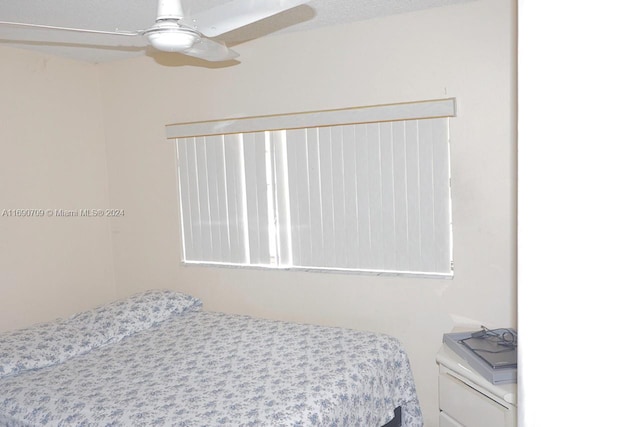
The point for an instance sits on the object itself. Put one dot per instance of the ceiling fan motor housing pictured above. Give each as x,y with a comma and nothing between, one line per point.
168,36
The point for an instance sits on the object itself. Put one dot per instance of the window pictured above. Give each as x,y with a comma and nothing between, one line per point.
358,190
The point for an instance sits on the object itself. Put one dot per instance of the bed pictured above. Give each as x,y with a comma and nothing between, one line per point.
158,359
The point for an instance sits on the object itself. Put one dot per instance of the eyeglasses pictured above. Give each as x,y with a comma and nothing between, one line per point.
501,336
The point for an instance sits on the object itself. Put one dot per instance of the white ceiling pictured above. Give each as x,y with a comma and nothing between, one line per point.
110,15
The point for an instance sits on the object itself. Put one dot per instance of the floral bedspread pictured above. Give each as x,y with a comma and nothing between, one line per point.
200,368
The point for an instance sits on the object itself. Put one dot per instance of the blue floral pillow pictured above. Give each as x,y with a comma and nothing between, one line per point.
41,345
122,318
54,342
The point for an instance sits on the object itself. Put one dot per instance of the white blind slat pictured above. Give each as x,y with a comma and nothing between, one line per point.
362,220
297,184
185,206
234,171
204,205
400,195
298,144
413,193
426,231
194,203
262,201
378,243
387,195
327,216
351,195
223,199
316,230
282,196
338,180
442,197
256,211
214,164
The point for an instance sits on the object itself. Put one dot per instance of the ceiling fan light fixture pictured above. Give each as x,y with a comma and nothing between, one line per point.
172,41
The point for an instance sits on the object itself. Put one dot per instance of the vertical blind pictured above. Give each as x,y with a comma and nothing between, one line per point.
363,194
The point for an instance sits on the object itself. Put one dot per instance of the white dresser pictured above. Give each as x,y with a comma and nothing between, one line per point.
467,399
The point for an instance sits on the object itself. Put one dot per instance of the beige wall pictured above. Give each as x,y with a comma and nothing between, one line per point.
53,157
464,51
50,267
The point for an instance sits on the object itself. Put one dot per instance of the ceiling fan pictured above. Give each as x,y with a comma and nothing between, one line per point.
172,32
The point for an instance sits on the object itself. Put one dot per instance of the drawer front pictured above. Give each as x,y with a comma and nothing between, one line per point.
447,421
468,406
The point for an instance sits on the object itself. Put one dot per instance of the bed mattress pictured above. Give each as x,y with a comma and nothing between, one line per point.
202,368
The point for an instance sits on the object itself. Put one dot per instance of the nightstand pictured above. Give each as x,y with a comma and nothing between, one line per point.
467,399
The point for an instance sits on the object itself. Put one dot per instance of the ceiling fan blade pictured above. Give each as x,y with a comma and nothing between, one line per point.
77,30
238,13
210,50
